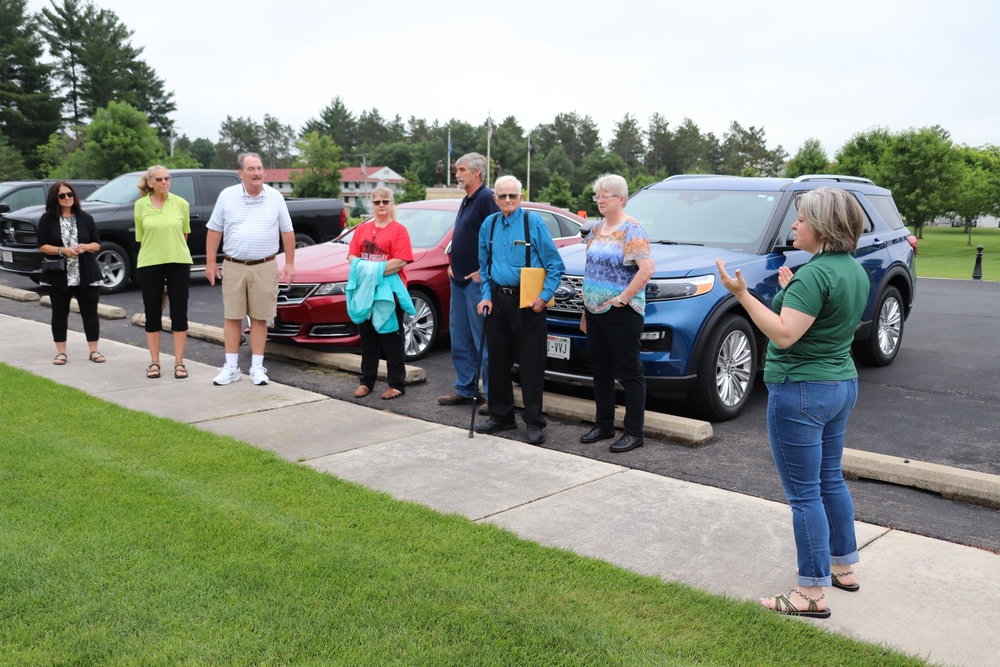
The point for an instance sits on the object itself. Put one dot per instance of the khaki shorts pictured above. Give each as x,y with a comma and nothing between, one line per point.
250,290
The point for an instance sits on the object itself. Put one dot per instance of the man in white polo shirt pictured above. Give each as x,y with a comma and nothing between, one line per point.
249,218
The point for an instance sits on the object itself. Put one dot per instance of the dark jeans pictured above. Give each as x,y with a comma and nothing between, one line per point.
177,278
613,340
515,334
393,345
87,297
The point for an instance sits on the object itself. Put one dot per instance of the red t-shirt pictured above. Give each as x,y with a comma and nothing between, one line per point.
382,244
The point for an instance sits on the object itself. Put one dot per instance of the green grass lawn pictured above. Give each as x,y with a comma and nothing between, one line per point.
944,252
126,539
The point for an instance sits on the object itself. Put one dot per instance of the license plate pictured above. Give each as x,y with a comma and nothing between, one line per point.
558,347
8,257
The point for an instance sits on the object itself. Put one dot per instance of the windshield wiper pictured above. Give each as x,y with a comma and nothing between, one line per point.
664,242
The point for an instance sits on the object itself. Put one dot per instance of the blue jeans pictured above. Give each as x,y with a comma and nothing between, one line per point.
465,326
806,422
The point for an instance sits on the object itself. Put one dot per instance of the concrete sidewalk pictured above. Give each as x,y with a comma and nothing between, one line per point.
922,596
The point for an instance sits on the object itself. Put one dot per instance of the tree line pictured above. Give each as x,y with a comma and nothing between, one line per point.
78,101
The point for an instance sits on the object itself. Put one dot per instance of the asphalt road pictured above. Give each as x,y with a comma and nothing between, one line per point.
935,403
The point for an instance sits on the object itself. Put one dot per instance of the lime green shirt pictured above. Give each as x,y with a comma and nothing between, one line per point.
162,235
833,288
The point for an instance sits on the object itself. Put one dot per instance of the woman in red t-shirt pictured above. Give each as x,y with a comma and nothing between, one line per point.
382,239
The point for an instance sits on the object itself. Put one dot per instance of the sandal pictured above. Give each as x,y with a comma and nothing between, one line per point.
180,371
844,587
97,357
60,359
783,605
362,391
153,371
391,393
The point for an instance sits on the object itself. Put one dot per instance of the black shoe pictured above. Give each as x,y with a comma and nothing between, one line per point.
535,435
595,434
626,442
492,426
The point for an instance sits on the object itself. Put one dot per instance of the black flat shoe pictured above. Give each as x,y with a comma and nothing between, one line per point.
535,435
595,434
626,442
492,426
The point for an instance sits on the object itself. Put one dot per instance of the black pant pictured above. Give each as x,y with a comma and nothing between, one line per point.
515,334
613,340
87,297
176,277
393,345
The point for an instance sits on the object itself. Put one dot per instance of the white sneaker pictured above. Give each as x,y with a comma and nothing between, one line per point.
258,375
227,375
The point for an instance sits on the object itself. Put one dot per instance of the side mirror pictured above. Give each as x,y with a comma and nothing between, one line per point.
4,207
787,245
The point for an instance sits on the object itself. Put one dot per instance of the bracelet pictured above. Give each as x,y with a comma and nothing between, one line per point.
619,298
60,252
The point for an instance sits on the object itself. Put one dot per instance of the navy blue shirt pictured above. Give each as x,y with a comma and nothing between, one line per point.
465,241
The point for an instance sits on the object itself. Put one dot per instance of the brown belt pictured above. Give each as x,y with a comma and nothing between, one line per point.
249,262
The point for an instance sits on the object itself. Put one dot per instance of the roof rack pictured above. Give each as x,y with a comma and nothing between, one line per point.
833,177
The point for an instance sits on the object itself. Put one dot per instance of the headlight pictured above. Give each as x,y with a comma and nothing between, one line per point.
678,288
331,289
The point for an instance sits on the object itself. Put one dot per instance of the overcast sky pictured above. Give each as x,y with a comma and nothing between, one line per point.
798,69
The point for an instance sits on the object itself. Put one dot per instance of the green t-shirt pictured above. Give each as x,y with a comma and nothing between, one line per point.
833,288
162,234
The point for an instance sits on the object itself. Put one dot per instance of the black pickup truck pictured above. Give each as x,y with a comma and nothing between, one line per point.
314,220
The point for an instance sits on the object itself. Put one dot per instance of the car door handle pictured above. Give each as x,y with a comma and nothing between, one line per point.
879,244
194,217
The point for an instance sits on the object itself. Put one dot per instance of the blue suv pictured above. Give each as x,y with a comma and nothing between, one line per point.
699,345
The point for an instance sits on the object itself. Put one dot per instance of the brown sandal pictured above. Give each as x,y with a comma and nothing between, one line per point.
97,357
153,371
180,371
362,391
391,393
60,359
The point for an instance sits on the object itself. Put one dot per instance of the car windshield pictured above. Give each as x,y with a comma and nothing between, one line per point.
5,188
427,227
724,219
122,190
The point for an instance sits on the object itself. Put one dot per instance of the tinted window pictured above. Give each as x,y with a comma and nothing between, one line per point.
30,196
211,186
551,223
792,213
427,227
122,190
183,186
886,207
85,190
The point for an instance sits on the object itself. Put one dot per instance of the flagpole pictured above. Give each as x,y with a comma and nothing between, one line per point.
449,158
528,189
489,136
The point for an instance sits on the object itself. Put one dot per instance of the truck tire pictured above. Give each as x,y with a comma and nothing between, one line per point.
420,331
303,240
116,268
727,370
886,335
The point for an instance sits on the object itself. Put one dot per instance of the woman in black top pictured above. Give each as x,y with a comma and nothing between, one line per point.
64,230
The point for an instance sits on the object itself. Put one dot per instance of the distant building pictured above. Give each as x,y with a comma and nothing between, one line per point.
353,185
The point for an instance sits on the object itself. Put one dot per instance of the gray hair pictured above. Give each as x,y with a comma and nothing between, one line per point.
611,184
385,193
144,187
243,156
475,161
835,216
507,179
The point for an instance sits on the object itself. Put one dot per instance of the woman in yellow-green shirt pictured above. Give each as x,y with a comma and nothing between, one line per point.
162,225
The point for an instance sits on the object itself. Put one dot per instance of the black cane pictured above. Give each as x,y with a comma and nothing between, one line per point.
479,367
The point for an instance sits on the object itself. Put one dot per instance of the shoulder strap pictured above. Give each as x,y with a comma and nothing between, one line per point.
489,248
527,241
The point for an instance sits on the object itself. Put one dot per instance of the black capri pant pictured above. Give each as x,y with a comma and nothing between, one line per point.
87,298
176,277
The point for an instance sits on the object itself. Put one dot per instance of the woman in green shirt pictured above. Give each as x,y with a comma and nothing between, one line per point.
162,225
812,387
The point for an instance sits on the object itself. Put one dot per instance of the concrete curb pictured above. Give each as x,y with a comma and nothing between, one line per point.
16,294
955,483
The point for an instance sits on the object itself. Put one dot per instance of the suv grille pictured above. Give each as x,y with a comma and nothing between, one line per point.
289,295
569,296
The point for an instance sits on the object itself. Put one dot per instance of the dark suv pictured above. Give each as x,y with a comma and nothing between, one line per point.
699,344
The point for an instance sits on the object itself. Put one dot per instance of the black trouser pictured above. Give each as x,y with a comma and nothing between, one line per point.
515,334
176,277
613,340
393,345
87,297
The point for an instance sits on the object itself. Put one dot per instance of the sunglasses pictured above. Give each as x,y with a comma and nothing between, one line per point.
506,196
381,202
160,179
65,195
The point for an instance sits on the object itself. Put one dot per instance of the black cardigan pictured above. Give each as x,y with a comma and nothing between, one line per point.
49,233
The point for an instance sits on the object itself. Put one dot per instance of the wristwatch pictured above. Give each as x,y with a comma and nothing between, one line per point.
619,299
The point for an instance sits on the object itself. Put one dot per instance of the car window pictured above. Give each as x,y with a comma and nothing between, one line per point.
29,196
427,227
725,219
792,214
211,186
183,186
551,223
568,227
86,189
122,190
886,207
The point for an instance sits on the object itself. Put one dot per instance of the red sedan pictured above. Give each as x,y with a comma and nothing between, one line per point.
313,309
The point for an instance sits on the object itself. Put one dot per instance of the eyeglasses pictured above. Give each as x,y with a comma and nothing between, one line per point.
381,202
65,195
507,196
600,197
160,179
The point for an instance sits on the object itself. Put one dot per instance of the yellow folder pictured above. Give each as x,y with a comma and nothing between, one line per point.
532,281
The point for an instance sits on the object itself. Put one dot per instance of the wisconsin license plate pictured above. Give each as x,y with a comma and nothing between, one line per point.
558,347
8,257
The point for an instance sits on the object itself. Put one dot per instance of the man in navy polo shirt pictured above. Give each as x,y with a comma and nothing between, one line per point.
465,325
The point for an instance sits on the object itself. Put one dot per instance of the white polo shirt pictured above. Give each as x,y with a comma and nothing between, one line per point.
251,226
